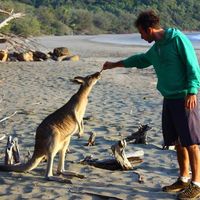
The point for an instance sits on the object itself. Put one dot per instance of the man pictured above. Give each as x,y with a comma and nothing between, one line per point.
178,73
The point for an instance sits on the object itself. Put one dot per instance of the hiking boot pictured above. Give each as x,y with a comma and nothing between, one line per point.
191,192
176,187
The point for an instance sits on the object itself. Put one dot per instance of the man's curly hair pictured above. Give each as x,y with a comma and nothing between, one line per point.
147,19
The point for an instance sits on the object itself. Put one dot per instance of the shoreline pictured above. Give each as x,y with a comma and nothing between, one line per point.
126,40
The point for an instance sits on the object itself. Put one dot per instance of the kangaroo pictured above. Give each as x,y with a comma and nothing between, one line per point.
54,133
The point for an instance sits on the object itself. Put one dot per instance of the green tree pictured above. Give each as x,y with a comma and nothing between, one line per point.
28,26
94,16
81,21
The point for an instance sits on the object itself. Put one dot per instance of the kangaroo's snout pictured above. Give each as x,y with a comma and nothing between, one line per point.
97,75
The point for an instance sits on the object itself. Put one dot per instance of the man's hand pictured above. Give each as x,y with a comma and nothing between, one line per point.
110,65
191,101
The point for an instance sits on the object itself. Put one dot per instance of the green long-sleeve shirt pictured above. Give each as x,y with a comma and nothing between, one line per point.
175,62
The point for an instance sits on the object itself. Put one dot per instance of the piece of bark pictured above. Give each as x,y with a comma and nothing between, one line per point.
12,151
120,156
140,136
15,150
8,152
91,140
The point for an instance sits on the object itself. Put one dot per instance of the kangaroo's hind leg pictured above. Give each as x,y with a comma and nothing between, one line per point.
49,171
61,164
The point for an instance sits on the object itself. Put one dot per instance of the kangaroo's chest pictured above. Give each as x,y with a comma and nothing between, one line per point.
80,110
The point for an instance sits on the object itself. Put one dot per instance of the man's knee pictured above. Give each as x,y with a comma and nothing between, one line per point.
193,148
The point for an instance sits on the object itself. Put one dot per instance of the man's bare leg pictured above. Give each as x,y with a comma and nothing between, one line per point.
183,160
184,166
194,157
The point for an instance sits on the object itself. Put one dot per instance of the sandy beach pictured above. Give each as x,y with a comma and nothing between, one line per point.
121,101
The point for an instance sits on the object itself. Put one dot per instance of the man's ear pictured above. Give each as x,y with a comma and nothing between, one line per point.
149,30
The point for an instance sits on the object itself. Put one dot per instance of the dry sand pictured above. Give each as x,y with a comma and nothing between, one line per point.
118,103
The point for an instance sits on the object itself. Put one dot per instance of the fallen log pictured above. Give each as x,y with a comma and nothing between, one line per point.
111,163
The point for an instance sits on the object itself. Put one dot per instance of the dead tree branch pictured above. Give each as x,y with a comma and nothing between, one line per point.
11,17
5,118
6,12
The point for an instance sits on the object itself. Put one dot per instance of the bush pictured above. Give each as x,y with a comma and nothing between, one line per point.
28,26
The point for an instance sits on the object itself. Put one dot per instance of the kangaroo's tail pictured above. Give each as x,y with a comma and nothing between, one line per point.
31,164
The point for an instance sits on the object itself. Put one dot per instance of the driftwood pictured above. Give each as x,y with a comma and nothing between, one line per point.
14,41
5,118
118,149
121,160
6,12
120,156
113,163
11,15
23,49
110,163
19,48
12,155
91,140
140,136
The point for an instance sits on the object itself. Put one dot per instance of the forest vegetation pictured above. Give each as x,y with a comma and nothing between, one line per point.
67,17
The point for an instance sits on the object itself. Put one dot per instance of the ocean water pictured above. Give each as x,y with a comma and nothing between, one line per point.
135,39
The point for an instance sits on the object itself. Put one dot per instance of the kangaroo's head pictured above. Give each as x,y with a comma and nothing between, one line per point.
89,80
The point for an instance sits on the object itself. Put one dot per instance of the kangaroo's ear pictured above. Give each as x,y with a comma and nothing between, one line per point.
78,79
